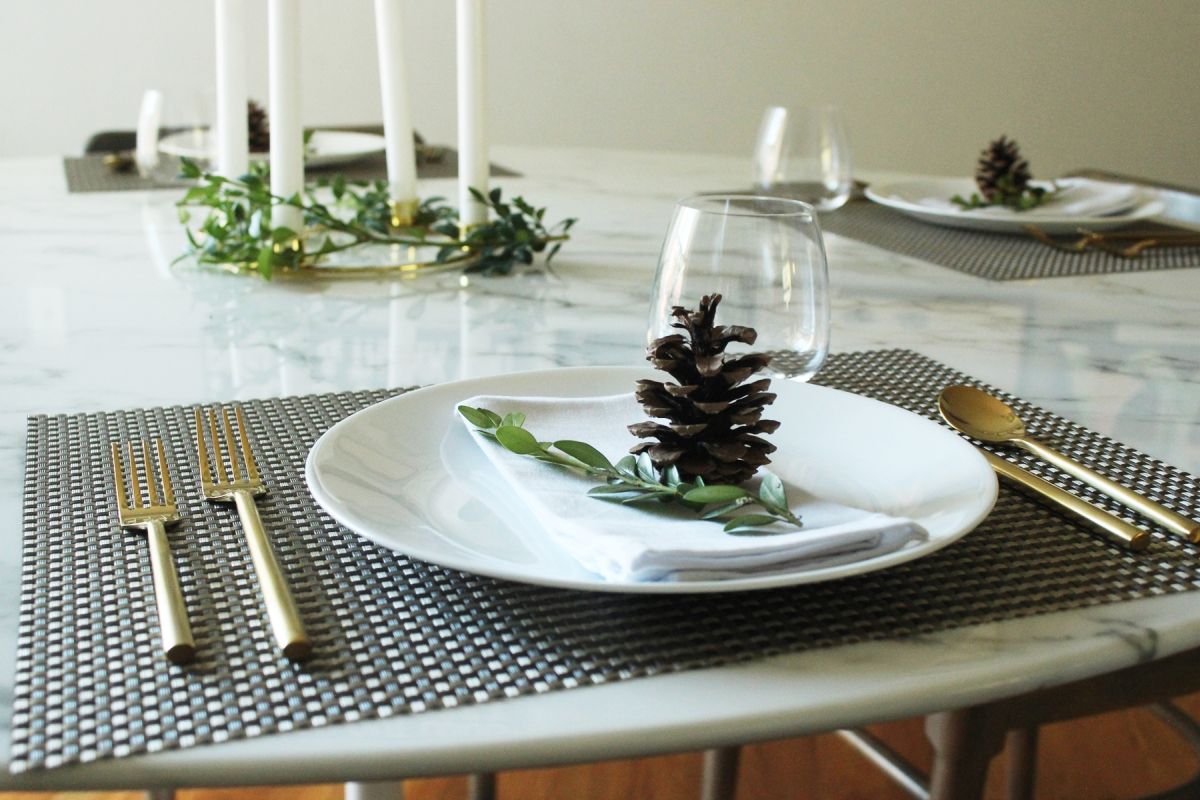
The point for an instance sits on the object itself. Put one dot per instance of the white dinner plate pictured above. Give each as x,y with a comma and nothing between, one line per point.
406,474
912,197
325,148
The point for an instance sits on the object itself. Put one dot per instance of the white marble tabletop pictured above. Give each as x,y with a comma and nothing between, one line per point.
88,289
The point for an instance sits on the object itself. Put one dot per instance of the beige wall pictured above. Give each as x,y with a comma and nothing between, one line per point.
924,83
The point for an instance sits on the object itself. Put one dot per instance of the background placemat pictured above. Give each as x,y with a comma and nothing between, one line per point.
395,635
993,256
90,174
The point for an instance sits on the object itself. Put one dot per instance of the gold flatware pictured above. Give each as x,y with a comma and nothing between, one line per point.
240,485
982,416
153,517
1125,244
1098,519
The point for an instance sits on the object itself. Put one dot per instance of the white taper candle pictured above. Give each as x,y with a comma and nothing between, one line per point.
230,134
472,117
397,120
287,136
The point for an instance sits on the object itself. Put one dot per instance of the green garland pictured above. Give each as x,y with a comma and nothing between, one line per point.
236,230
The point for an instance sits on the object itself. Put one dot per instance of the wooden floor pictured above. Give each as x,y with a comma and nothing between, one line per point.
1115,756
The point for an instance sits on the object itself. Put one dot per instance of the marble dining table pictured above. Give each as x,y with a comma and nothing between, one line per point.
89,291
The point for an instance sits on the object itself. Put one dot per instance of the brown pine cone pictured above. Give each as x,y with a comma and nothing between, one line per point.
713,417
1001,174
259,128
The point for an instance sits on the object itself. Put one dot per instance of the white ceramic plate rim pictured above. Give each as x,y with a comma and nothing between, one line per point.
892,194
325,147
616,379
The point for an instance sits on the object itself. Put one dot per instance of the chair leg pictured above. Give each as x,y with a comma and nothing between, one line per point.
964,742
719,781
481,786
1021,759
160,794
374,790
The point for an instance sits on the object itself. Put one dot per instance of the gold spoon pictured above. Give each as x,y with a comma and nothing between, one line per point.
981,416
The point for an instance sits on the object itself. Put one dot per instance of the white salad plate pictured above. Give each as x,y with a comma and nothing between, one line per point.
325,148
406,474
928,199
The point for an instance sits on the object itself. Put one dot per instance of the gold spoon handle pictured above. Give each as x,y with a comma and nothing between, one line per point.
1110,526
1177,523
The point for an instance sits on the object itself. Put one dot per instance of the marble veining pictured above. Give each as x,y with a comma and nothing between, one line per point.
87,291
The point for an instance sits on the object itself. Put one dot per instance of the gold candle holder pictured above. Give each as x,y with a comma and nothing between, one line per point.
404,212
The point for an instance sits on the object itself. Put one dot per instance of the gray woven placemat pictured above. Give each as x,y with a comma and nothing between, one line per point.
993,256
396,636
89,173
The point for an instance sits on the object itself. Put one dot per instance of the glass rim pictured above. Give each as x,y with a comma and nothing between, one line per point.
787,206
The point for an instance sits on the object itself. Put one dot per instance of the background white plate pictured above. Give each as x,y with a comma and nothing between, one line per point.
406,474
906,196
325,148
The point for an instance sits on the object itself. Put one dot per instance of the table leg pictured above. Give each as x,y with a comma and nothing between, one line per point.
1021,761
719,781
481,786
375,790
964,742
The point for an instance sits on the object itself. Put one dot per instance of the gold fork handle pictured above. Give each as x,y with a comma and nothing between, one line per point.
177,638
281,607
1176,523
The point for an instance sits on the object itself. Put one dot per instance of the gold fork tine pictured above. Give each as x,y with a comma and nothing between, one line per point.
135,480
164,474
206,476
247,455
231,446
218,455
119,479
151,489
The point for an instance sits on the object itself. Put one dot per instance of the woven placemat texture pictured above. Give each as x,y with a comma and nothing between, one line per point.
90,174
394,635
993,256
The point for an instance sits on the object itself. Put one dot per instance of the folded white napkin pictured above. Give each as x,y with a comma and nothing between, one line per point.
662,542
1079,197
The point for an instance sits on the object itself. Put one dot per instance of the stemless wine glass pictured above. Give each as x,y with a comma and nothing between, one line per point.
765,257
804,153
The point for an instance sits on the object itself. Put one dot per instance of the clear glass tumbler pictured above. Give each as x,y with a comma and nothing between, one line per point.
804,153
766,258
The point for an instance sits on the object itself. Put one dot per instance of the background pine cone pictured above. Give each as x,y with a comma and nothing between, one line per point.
1001,174
713,417
258,127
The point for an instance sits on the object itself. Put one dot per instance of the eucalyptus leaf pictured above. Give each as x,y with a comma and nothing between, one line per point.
716,493
518,440
770,491
477,417
749,521
585,453
645,468
627,466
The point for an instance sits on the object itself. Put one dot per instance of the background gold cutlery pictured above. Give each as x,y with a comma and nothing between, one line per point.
152,517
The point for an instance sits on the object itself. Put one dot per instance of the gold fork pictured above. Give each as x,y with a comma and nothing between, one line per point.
153,517
241,489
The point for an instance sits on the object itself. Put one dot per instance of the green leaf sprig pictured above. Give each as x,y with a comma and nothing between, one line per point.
237,232
1008,196
635,479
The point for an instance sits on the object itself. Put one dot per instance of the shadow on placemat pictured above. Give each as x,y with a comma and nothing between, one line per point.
395,635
